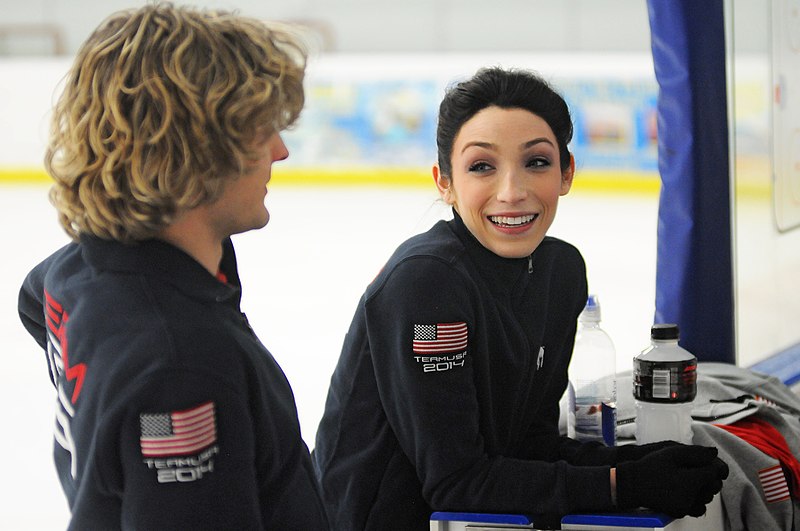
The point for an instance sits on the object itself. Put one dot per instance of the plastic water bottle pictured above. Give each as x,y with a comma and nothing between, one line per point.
664,387
592,375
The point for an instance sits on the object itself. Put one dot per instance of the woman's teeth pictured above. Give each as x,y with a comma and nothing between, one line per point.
512,221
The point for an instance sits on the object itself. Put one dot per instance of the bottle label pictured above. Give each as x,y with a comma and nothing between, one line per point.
596,420
609,414
665,381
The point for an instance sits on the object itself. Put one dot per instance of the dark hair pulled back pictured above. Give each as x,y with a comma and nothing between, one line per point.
507,89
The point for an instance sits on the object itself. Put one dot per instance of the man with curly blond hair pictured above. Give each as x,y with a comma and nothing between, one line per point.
170,412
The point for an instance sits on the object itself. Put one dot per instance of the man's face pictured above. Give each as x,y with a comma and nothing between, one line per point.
241,206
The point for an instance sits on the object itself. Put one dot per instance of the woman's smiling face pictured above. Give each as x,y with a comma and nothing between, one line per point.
506,179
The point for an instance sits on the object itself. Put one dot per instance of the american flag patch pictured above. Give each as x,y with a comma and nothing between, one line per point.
441,338
179,432
773,483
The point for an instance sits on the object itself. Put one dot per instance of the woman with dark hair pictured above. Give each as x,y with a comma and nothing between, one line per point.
446,393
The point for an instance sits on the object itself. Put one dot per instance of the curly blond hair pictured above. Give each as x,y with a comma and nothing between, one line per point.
160,108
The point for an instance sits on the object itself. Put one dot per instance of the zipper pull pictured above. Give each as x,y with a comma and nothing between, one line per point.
530,264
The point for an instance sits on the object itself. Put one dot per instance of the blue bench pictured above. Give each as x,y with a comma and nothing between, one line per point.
640,521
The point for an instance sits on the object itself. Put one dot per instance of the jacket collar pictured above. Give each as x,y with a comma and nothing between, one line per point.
170,264
502,274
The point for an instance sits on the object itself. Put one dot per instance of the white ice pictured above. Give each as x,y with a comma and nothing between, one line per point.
302,277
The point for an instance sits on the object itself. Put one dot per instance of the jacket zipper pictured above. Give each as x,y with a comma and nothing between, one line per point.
530,264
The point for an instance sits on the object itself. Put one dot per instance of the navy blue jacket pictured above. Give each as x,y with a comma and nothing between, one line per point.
446,393
171,413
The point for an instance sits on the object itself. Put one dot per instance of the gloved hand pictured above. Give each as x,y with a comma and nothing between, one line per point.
634,452
597,454
678,480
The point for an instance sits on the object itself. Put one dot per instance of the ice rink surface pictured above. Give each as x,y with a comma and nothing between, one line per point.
302,276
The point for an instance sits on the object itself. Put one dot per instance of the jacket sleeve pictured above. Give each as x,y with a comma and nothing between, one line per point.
181,455
31,303
431,402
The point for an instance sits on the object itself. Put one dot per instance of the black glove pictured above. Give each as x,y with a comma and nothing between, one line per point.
634,452
597,454
678,480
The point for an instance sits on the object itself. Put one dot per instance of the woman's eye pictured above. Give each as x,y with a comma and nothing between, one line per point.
480,166
538,162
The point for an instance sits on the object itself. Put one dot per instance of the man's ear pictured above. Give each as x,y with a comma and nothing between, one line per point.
567,176
442,184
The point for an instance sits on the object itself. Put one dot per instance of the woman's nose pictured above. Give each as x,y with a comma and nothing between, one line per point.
511,187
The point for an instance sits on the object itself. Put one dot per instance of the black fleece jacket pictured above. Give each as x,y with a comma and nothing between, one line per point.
171,413
445,397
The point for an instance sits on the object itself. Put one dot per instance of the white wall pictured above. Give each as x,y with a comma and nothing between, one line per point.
391,25
409,85
28,90
766,202
764,318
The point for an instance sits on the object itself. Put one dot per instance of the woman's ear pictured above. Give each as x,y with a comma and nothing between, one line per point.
567,176
442,184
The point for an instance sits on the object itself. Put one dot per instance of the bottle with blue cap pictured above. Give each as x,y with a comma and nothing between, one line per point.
593,384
